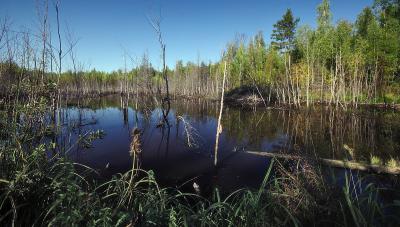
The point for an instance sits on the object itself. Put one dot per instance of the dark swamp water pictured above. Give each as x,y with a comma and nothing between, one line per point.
178,161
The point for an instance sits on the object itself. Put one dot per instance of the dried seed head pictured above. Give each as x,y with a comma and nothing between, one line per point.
135,147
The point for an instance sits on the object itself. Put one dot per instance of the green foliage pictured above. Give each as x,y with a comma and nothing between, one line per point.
341,63
284,30
363,21
324,15
375,160
393,163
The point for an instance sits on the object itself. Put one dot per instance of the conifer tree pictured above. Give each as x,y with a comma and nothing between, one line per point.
284,31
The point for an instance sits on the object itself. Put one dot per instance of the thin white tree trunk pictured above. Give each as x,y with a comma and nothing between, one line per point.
219,126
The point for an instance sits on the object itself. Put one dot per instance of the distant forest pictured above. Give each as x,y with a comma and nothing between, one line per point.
336,63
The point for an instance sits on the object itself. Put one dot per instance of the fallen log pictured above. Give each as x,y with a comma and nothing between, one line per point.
335,163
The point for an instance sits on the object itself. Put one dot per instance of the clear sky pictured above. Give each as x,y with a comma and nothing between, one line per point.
191,29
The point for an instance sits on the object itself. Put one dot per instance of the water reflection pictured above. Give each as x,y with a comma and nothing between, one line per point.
322,132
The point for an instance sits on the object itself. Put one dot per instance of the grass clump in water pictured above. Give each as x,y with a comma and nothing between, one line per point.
393,163
375,160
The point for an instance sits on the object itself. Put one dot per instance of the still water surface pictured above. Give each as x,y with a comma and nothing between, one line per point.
176,158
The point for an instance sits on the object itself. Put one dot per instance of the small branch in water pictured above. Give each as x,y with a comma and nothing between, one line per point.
189,131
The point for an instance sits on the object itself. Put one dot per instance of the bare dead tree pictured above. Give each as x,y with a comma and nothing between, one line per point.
219,126
57,6
3,29
166,104
42,11
56,96
71,43
134,63
76,66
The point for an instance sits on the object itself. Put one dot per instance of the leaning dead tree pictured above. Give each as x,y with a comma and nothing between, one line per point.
165,103
219,126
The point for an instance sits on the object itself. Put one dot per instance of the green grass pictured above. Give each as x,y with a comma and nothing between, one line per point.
375,160
55,194
393,163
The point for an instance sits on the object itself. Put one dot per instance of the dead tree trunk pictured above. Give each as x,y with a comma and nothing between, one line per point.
166,103
219,126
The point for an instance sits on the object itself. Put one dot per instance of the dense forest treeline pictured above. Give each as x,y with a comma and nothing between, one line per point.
342,63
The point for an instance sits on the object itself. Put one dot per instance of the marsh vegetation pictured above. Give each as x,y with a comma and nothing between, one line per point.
297,141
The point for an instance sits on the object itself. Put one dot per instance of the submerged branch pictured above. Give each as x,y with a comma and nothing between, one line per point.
335,163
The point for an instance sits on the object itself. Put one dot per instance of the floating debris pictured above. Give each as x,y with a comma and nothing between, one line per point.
196,188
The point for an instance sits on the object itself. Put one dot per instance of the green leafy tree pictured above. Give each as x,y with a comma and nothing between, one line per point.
324,15
363,21
388,42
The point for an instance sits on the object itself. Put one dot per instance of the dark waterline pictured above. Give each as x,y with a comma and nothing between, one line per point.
321,133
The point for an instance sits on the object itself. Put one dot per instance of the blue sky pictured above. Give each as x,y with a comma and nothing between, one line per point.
191,29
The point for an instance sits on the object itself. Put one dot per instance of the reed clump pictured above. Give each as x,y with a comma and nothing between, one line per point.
393,163
375,160
135,151
135,146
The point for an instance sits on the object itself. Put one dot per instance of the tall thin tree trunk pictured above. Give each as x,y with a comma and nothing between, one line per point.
219,126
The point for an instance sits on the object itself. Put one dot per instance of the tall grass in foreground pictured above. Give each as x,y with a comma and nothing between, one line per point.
55,194
38,190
